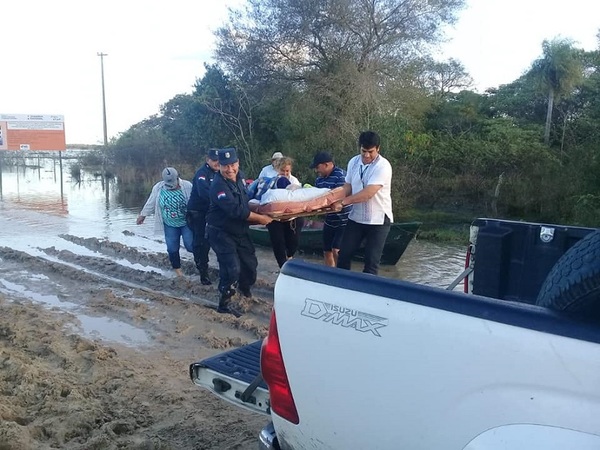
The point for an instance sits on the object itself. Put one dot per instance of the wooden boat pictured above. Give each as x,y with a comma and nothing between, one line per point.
311,239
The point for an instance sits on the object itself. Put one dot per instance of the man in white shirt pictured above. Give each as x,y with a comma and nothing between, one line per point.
270,171
368,188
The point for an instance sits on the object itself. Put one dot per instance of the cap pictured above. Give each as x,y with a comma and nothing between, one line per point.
170,177
320,158
213,153
277,155
227,156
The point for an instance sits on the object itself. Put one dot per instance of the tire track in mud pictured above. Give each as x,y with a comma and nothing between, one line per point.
149,278
102,273
190,289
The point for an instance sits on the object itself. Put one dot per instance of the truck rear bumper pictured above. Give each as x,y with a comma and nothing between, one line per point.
267,439
234,376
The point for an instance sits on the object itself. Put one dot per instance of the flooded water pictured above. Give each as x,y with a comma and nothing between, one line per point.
38,208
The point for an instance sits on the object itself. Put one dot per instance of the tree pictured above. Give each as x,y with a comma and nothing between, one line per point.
558,71
143,150
442,78
234,107
519,99
345,63
291,39
181,121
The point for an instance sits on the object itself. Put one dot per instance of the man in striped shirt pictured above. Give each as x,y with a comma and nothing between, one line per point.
331,176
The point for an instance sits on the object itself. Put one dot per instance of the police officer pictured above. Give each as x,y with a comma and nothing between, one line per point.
227,223
198,208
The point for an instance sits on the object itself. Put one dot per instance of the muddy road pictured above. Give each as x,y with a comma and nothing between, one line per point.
95,347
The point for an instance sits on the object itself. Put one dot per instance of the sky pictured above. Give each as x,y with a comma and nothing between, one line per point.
49,61
497,40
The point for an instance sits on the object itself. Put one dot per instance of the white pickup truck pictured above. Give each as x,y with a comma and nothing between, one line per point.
355,361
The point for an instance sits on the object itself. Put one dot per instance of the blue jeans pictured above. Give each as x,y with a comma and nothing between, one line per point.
173,237
373,236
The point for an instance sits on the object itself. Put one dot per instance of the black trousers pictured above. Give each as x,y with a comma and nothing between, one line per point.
237,259
284,238
200,245
374,237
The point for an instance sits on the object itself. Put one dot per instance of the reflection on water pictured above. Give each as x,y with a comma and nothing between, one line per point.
92,327
429,263
34,202
84,205
422,262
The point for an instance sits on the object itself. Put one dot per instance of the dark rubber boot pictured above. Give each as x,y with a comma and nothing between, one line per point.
245,291
224,304
228,309
204,278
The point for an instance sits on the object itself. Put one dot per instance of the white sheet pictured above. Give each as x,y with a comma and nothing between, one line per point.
298,195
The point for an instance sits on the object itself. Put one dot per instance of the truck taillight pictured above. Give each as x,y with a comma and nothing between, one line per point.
274,374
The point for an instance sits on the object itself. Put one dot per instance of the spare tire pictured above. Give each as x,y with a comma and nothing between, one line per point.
573,284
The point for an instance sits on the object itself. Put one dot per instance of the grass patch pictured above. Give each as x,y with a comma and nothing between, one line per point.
442,235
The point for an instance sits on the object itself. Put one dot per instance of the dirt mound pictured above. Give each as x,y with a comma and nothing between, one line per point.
62,387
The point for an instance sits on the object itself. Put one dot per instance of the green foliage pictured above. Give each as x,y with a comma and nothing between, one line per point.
587,210
520,100
557,72
92,159
146,149
560,68
75,171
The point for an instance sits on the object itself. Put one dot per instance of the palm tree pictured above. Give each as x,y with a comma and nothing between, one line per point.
558,71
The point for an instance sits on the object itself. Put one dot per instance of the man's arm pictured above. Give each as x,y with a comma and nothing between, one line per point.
360,197
347,189
363,195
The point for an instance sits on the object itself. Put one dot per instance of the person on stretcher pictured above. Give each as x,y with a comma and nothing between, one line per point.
262,185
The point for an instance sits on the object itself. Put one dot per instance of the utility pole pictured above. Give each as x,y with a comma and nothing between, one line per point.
102,55
104,174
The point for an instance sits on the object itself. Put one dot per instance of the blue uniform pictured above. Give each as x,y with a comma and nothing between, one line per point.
199,199
197,208
228,234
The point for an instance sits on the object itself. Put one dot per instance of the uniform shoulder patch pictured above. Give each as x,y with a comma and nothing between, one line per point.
221,195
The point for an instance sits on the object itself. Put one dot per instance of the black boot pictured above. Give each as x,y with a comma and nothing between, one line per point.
204,277
245,291
225,305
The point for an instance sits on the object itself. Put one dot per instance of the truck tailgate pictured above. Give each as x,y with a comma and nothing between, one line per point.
235,376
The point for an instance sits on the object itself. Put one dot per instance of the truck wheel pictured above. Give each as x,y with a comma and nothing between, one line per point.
573,284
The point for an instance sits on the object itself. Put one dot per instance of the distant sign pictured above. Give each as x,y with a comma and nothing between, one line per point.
36,132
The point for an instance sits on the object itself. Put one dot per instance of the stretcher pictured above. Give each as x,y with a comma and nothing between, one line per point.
282,204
